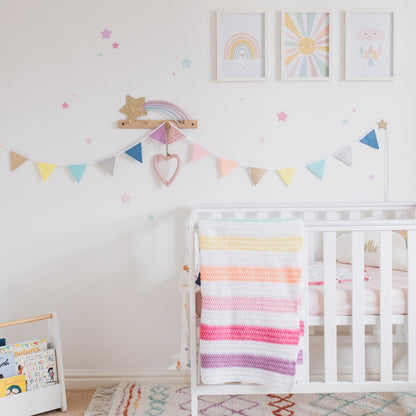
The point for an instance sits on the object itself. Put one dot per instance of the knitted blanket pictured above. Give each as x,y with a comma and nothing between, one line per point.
251,283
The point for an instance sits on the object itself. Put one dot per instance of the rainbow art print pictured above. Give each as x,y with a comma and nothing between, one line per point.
305,45
241,46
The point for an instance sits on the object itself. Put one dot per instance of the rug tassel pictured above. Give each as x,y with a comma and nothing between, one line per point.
101,402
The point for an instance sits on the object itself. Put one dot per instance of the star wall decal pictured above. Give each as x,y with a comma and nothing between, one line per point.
115,45
106,33
125,198
186,63
65,105
133,108
282,116
382,125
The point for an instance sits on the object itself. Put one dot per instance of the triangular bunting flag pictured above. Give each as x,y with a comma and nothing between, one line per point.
370,139
46,169
317,168
159,134
199,152
16,160
344,155
287,175
108,165
77,171
227,166
174,134
135,152
256,174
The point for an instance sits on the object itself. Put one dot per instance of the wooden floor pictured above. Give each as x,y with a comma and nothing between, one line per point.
78,401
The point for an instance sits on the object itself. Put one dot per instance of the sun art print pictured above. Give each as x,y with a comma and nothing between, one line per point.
305,45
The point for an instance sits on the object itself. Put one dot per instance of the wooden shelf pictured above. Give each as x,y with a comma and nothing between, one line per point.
152,124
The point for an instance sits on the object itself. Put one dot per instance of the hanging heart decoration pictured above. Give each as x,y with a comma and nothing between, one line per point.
159,157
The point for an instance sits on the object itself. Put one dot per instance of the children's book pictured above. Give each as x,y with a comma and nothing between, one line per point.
39,369
12,385
25,348
7,365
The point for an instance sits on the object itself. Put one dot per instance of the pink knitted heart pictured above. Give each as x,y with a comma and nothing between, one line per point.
156,160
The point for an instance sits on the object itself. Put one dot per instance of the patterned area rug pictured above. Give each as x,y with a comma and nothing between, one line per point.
129,399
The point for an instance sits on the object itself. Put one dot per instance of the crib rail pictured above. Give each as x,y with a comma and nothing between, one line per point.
327,221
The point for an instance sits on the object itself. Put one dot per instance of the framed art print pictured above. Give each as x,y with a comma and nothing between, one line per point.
369,45
241,46
305,48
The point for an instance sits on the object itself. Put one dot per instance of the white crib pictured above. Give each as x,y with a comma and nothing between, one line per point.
338,338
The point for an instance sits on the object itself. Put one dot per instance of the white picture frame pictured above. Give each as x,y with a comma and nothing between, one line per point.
306,45
370,45
242,53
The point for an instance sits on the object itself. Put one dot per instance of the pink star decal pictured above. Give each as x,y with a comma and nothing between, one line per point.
106,33
88,141
65,105
115,45
261,139
371,177
125,198
282,116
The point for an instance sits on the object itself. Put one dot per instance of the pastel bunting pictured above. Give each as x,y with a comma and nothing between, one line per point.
317,168
287,175
16,160
227,166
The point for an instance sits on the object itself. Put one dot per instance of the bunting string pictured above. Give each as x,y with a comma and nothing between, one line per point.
227,165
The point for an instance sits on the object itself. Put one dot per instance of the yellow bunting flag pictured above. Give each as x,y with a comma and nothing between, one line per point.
227,166
257,174
46,169
16,160
287,175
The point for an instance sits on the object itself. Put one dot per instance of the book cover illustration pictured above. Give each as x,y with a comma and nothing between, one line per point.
25,348
7,365
39,369
12,385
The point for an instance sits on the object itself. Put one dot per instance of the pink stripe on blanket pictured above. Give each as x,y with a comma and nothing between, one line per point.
250,333
276,365
261,304
302,328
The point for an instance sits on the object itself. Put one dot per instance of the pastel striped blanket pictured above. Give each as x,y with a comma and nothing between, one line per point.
250,319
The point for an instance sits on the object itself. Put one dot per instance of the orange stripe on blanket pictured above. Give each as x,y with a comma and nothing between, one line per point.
259,274
250,243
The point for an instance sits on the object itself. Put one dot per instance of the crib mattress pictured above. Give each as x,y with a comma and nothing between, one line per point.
344,291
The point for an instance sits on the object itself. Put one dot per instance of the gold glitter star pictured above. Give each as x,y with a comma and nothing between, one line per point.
382,125
133,108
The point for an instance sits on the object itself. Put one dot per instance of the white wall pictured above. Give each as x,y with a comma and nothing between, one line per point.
109,271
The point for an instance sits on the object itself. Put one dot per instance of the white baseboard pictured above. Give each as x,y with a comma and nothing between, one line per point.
90,380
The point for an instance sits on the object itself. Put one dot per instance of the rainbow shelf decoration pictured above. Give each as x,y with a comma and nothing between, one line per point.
168,109
242,46
138,107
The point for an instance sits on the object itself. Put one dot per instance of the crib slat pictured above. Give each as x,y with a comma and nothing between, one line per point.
305,306
411,304
386,337
358,327
330,329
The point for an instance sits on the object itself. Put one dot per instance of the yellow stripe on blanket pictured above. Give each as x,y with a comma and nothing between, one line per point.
251,243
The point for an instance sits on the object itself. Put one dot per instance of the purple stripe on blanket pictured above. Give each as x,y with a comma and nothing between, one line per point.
300,357
276,365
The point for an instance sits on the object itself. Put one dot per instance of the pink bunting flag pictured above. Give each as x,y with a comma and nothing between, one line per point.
227,166
175,134
159,134
199,152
